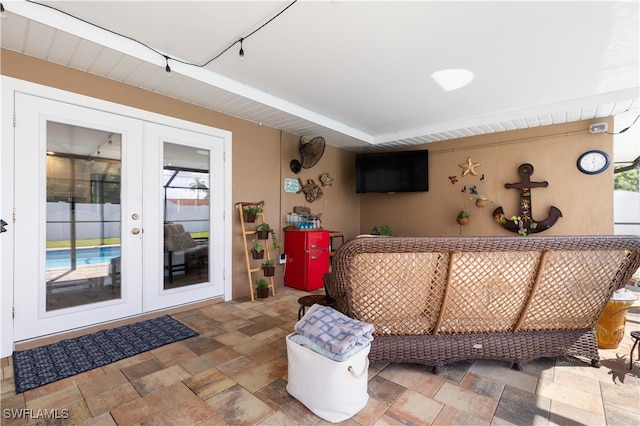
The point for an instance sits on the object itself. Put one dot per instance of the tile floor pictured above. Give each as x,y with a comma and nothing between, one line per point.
235,373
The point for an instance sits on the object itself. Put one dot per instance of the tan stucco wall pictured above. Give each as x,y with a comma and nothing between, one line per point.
261,157
586,201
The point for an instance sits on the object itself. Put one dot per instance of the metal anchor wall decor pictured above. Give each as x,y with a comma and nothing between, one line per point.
524,224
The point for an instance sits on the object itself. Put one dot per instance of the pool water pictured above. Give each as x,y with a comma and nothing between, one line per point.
84,256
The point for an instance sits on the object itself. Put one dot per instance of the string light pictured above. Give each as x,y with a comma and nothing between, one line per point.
166,57
167,68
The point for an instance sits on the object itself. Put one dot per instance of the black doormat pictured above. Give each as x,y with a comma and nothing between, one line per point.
39,366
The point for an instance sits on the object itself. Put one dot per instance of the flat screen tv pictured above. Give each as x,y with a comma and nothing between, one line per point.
400,171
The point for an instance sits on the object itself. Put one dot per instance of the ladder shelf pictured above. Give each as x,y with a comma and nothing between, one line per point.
247,248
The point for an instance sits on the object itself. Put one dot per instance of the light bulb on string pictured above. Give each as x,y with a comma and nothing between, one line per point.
241,53
167,68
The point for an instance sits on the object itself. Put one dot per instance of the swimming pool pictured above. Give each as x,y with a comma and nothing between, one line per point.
84,256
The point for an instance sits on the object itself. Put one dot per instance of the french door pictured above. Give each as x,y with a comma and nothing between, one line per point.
96,196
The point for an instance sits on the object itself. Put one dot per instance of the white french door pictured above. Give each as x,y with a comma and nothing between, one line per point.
93,204
183,201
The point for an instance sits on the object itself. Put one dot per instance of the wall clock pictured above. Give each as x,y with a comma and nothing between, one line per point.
593,162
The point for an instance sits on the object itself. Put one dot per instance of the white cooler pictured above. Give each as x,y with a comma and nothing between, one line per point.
332,390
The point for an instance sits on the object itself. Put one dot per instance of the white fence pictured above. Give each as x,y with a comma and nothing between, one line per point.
626,212
103,220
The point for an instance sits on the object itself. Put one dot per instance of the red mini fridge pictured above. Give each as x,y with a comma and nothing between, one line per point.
307,258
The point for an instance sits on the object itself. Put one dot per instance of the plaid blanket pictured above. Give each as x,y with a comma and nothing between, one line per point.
333,331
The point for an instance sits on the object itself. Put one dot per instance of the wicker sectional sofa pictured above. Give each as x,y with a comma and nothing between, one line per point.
436,301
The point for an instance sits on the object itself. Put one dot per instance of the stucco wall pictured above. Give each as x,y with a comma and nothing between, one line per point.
586,201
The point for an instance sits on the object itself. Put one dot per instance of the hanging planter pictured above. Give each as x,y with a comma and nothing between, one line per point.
483,201
250,211
257,250
463,216
262,288
268,269
262,231
269,272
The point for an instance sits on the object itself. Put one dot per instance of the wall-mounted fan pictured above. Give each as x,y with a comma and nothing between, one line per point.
310,154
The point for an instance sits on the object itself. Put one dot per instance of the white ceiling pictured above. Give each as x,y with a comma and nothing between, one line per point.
355,72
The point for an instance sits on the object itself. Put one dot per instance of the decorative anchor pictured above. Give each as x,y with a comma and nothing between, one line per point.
526,224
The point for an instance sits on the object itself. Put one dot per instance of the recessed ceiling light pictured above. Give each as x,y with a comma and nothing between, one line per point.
452,79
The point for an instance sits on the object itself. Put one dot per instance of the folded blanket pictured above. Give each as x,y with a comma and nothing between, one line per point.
305,341
332,330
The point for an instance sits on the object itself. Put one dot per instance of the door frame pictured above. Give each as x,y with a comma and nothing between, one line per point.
8,87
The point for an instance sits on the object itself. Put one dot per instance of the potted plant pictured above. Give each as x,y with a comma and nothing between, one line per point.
262,288
250,211
257,250
482,201
263,230
268,268
386,230
463,216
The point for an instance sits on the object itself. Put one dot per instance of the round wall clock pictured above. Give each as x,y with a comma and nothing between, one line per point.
593,162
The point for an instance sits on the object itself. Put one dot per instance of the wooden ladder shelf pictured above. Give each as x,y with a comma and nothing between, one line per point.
247,248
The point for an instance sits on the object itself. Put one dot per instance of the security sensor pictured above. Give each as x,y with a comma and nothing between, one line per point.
283,258
598,128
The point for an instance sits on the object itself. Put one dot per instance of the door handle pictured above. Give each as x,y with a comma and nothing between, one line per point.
135,231
2,226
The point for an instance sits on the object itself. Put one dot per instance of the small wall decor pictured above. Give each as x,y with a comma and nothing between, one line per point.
524,224
291,185
469,167
482,200
463,216
326,180
311,190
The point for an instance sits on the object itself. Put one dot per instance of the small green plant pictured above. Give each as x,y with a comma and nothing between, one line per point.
386,230
264,227
464,214
254,208
261,283
256,246
267,264
275,244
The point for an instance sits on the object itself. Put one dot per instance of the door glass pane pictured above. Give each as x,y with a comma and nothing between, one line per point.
82,216
186,215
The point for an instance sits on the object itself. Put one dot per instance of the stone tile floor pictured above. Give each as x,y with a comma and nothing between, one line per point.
235,373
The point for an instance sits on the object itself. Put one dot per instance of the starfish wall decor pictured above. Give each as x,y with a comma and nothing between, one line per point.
469,167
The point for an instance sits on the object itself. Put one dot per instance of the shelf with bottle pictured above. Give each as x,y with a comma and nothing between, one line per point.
301,221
